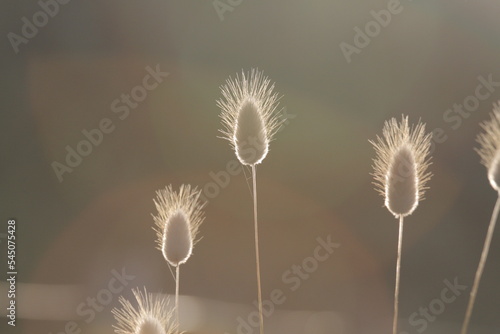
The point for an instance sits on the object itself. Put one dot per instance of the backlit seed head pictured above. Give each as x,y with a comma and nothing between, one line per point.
400,168
177,222
489,150
152,315
249,115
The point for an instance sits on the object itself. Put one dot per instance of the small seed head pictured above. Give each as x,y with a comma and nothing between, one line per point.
249,115
489,149
151,316
177,222
400,168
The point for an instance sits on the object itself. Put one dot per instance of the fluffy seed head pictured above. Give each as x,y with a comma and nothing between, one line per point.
400,168
489,150
177,222
151,316
249,115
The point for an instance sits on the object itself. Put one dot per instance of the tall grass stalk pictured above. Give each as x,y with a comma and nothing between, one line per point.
398,272
257,256
489,151
400,172
480,268
177,269
250,120
177,224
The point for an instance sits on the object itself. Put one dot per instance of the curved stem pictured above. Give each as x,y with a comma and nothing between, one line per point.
398,270
177,296
480,268
257,260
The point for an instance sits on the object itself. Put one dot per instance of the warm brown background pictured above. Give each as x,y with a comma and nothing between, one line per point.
314,183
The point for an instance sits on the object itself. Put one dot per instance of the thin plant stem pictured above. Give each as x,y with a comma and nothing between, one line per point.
177,296
398,271
257,258
480,268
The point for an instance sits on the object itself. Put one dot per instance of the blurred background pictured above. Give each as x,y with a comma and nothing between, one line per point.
141,78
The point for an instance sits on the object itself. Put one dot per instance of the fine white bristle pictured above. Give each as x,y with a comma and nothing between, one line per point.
249,115
151,316
177,222
489,150
400,168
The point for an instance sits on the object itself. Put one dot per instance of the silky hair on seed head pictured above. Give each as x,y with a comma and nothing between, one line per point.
489,150
177,222
249,115
400,167
151,316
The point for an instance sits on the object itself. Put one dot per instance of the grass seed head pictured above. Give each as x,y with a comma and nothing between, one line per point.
151,316
177,222
400,167
489,149
249,115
